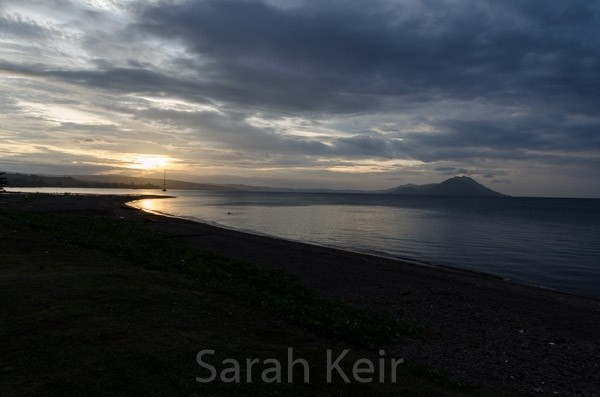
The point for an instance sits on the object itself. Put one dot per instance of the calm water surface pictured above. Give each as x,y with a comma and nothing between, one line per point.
550,242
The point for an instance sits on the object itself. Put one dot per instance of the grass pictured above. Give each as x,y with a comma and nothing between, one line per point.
274,291
103,306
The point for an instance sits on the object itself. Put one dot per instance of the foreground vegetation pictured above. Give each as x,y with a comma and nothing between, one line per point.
104,306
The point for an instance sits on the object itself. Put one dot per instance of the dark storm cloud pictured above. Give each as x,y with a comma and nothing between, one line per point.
341,56
452,171
509,138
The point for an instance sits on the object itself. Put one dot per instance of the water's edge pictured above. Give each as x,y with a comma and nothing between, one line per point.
374,254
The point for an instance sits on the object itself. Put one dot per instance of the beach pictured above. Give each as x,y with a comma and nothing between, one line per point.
488,332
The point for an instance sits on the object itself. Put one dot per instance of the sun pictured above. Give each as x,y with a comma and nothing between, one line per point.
150,162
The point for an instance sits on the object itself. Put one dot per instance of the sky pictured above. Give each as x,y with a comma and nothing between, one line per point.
327,94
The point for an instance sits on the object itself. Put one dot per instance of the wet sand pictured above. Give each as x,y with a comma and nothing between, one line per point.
504,336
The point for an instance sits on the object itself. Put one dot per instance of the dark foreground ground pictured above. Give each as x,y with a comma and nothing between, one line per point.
78,313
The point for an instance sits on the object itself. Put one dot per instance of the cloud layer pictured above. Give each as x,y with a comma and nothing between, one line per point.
307,93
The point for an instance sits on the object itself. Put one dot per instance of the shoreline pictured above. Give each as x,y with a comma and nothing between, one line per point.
402,261
502,335
377,255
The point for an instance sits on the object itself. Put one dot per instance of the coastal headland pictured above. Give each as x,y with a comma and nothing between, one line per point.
83,308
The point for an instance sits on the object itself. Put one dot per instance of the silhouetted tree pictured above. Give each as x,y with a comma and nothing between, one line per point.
3,180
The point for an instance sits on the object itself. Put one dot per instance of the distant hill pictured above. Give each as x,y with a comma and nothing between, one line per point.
457,186
104,182
171,184
33,180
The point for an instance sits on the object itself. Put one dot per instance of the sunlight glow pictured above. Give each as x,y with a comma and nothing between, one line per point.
149,162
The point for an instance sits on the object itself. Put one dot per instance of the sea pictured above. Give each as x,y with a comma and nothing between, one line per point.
551,243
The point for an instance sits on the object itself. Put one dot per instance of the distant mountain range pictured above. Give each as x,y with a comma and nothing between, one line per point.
158,183
457,186
32,180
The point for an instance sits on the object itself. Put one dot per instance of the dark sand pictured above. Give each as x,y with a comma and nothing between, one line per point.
504,336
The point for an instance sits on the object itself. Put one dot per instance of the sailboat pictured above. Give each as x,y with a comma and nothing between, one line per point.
164,189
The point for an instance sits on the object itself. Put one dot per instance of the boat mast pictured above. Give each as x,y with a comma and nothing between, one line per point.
164,189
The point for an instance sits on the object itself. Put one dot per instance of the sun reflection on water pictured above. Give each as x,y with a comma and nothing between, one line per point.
148,205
